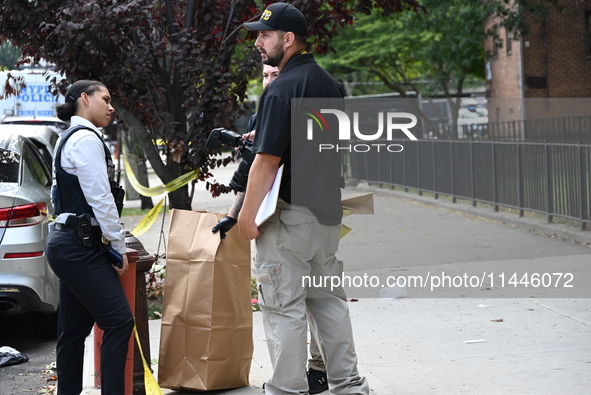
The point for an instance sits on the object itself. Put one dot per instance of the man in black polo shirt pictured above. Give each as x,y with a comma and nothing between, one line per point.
301,238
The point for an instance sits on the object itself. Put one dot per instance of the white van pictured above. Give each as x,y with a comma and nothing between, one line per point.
34,99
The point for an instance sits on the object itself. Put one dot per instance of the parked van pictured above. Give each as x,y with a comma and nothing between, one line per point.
34,98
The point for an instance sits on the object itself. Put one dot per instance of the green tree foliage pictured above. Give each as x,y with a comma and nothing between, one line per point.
436,52
9,54
175,68
516,15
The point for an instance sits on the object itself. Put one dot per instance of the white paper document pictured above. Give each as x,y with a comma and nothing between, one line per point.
269,204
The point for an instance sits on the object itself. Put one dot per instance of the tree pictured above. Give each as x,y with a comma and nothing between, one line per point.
437,51
9,54
176,69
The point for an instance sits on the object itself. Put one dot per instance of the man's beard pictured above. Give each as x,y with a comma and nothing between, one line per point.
274,60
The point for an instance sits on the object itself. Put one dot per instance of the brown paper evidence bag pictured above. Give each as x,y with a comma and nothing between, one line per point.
206,336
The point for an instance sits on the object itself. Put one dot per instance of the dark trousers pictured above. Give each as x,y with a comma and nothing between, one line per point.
90,291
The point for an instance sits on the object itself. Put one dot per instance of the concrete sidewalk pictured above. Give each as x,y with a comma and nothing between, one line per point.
481,339
418,346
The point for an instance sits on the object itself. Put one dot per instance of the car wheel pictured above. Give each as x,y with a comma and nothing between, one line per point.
46,325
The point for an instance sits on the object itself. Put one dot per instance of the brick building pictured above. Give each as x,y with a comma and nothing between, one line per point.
545,74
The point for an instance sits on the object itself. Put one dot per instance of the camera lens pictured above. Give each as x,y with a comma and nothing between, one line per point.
220,136
230,138
240,177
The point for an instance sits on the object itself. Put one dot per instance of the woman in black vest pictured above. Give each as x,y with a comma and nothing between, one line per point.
87,226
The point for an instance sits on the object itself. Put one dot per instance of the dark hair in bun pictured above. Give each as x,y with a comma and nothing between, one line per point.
68,109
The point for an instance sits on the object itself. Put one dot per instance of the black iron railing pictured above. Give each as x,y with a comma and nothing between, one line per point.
548,178
564,130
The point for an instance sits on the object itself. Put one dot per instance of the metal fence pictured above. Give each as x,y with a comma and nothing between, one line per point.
548,178
564,130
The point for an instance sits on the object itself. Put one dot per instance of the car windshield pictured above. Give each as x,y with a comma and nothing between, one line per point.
8,166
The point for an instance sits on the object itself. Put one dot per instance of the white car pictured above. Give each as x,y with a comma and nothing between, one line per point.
44,137
27,283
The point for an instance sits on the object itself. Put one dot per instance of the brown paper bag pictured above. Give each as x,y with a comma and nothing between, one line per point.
358,203
206,339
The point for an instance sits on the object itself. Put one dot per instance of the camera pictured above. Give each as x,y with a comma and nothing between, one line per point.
220,136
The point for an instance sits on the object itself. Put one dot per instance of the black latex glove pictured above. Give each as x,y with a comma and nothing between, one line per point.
224,225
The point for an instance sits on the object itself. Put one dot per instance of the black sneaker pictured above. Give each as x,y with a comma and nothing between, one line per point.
317,381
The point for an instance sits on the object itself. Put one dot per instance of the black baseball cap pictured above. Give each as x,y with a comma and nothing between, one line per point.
281,16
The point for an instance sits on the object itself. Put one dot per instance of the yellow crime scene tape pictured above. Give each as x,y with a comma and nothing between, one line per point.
344,228
175,184
152,387
148,220
159,190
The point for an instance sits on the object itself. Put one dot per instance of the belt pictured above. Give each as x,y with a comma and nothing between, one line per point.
66,228
70,228
73,219
92,238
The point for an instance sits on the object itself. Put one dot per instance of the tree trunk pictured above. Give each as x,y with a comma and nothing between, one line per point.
138,164
180,199
166,172
132,159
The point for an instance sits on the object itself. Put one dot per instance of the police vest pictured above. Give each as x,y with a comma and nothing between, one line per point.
67,195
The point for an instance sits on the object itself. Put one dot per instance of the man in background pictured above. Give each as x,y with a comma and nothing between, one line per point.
225,224
301,238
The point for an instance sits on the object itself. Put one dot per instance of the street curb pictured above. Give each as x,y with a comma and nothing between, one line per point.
562,231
